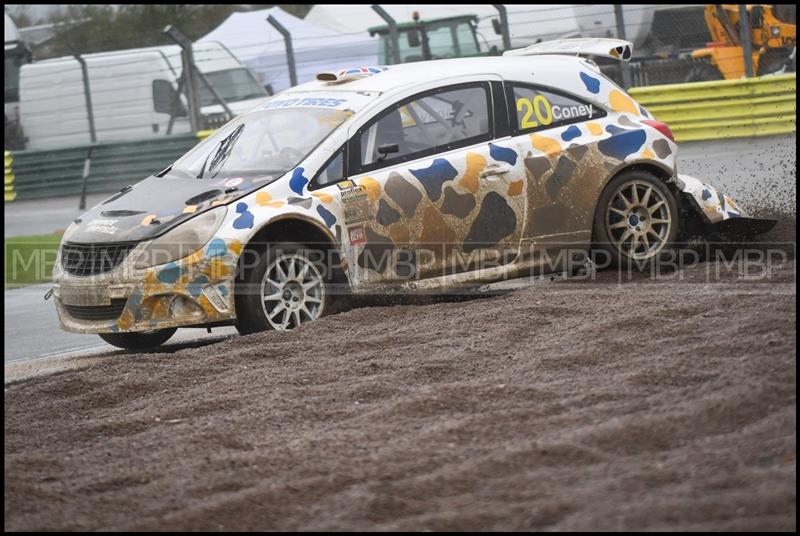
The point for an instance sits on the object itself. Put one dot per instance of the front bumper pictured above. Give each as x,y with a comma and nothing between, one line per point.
192,291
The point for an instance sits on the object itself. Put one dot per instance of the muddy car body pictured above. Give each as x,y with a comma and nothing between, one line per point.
414,177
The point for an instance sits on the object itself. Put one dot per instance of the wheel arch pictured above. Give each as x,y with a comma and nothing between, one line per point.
661,171
290,228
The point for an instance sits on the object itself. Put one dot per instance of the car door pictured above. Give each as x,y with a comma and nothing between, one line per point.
432,191
556,134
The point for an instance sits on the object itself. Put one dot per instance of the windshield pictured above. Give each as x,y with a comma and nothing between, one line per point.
262,142
233,85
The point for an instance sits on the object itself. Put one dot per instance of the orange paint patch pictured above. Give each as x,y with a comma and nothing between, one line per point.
235,247
647,153
264,199
191,209
475,164
216,269
594,128
210,310
621,102
372,187
325,198
515,188
194,258
148,219
125,320
546,145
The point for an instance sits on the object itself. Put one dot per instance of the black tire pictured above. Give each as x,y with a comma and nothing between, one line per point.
295,301
645,237
138,341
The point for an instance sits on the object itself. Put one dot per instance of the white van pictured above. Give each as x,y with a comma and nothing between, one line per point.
127,92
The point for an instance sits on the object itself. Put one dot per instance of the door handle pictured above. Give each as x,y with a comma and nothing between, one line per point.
494,170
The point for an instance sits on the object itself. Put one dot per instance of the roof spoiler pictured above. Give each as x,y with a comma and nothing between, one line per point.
617,49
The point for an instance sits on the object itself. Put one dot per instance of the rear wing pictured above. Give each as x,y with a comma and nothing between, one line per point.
608,48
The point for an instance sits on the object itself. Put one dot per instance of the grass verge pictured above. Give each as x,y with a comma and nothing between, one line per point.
30,259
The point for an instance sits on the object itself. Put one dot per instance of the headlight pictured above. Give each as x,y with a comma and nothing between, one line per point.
183,240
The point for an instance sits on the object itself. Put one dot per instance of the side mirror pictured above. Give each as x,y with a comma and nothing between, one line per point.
413,39
387,149
166,100
496,25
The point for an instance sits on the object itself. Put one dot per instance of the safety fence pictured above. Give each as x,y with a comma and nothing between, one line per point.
762,106
59,172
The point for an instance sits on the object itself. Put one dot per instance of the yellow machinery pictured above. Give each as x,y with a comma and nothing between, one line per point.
773,35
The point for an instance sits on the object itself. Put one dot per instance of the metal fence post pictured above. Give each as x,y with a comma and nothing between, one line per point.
287,39
747,45
504,25
187,60
393,39
625,66
87,164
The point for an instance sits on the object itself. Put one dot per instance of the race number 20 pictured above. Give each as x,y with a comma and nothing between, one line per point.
539,107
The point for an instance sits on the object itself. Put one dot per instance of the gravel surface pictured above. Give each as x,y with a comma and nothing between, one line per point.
578,405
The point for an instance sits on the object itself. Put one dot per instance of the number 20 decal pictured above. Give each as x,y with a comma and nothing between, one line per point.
539,106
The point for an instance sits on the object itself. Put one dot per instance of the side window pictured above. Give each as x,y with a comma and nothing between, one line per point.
426,124
331,173
537,108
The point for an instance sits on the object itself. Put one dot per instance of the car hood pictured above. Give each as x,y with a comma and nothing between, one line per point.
156,205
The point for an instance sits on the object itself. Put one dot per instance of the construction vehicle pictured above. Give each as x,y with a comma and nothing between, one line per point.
773,37
447,37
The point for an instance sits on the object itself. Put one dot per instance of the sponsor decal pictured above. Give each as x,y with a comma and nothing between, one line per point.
306,102
572,112
357,235
355,202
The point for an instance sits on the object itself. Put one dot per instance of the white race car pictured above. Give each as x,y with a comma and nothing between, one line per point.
427,175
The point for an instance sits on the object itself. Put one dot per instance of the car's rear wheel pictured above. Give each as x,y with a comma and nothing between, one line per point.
288,287
636,220
139,341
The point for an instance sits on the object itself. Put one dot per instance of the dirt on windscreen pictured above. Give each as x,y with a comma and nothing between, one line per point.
579,405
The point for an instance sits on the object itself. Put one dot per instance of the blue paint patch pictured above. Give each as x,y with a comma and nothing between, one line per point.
298,181
434,176
503,154
216,248
706,194
733,215
592,84
196,285
326,216
571,133
245,221
223,290
170,273
622,142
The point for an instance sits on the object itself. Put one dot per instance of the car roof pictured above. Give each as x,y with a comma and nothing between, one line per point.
544,69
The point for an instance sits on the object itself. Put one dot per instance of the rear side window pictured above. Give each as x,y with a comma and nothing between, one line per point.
426,124
540,108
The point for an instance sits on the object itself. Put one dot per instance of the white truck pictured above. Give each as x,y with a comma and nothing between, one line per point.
135,94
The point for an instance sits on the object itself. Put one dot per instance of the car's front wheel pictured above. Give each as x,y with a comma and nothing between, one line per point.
636,219
139,341
287,287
